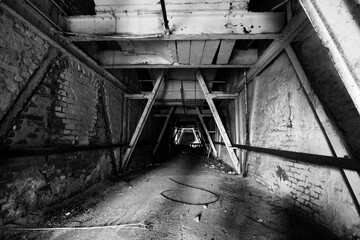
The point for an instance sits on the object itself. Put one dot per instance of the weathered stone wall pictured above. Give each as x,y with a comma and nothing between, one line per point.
281,118
72,106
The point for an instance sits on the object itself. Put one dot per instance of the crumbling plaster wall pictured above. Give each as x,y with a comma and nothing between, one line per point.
281,118
72,106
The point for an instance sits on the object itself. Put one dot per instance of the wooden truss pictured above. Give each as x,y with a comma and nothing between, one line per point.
209,99
151,99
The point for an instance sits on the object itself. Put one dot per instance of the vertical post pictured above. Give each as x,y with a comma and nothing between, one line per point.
237,125
163,131
214,151
218,121
142,121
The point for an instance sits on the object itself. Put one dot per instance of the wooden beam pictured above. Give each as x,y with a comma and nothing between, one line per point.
218,121
224,95
116,57
158,142
296,25
172,47
210,49
183,23
196,52
249,56
28,90
200,115
36,22
172,66
183,51
142,122
335,141
82,37
138,96
225,50
337,25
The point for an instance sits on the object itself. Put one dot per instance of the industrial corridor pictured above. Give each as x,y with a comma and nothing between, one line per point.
179,119
134,207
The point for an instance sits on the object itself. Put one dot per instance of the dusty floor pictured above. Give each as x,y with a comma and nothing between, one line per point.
244,210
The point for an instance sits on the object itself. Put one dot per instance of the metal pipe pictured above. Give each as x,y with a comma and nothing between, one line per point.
343,163
166,22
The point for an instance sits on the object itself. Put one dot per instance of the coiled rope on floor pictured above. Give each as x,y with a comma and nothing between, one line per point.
217,196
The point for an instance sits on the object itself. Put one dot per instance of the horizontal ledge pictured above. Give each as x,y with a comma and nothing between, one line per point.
343,163
83,37
174,66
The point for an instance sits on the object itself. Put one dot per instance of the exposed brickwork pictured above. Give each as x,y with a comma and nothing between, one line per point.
327,84
21,52
72,106
282,119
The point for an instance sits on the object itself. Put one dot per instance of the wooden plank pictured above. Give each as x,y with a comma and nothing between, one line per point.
158,142
213,148
146,6
224,95
116,57
335,141
173,66
195,22
172,47
78,37
28,91
196,52
209,51
183,51
219,123
142,121
296,25
225,50
337,25
248,57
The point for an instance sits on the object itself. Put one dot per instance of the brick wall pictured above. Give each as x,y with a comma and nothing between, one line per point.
72,106
281,118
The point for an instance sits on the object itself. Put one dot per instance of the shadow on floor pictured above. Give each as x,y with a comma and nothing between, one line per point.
244,210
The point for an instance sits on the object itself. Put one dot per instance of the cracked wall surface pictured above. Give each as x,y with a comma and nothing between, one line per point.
281,118
71,107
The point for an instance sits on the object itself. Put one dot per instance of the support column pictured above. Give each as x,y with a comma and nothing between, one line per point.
172,109
214,151
209,100
142,121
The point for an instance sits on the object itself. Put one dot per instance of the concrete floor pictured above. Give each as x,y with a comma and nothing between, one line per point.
244,210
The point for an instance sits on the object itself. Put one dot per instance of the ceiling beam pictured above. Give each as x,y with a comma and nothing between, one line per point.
165,66
218,24
295,26
337,25
86,37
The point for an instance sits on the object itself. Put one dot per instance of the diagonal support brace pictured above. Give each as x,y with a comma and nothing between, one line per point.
218,121
142,121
